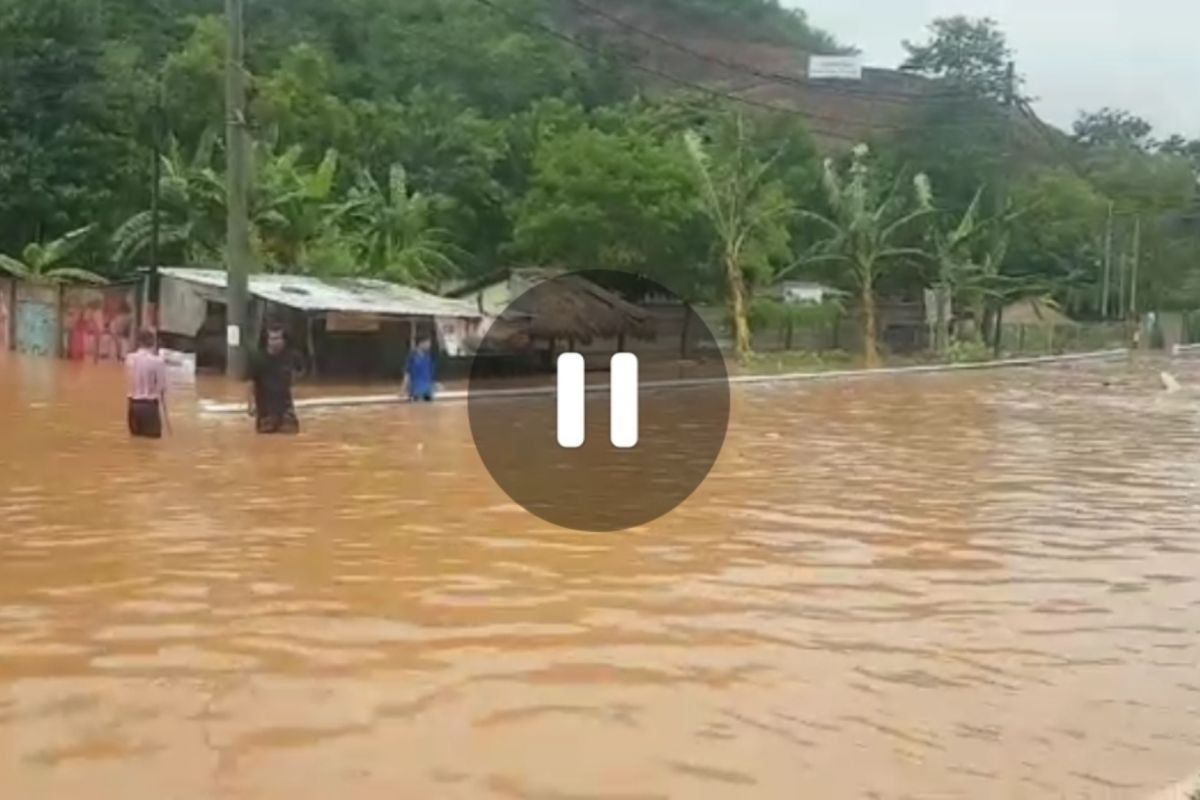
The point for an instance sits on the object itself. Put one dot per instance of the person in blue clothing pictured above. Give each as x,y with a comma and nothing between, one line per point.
418,373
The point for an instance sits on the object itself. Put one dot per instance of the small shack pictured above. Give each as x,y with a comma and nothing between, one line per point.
567,309
343,326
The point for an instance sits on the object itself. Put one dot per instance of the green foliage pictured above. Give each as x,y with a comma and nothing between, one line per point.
747,210
46,262
865,227
289,207
770,312
765,19
191,214
969,54
967,352
1112,128
67,152
601,200
392,231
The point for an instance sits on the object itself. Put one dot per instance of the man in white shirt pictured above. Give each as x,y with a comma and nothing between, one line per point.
146,374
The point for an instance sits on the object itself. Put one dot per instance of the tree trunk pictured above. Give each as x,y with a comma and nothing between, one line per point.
998,318
687,329
941,334
870,326
737,308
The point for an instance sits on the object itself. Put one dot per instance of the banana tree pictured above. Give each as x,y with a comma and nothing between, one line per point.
395,230
747,210
864,229
1000,291
43,263
291,205
951,249
192,208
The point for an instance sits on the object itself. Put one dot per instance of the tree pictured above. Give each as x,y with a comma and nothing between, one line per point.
297,102
748,212
971,54
864,228
1113,128
193,80
1060,235
290,204
617,201
44,262
951,246
191,213
65,156
394,231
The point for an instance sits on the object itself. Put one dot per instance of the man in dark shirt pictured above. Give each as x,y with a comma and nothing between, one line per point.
270,401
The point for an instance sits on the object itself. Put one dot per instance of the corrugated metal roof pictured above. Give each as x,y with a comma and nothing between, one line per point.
346,295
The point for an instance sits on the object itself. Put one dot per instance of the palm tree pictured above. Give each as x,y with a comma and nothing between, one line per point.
192,208
42,262
747,211
395,231
863,229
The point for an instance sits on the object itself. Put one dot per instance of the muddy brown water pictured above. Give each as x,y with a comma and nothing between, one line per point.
975,585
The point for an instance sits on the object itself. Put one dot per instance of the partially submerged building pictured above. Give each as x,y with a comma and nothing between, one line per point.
342,326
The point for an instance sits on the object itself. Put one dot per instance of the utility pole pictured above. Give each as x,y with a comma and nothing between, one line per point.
237,232
152,281
1010,100
1133,276
1108,244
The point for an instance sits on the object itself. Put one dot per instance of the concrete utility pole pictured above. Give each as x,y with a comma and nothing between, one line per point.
1010,101
237,232
152,282
1108,244
1133,272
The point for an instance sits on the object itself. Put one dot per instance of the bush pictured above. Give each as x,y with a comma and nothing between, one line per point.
963,352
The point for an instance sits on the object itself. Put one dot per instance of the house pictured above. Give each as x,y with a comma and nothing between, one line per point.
342,326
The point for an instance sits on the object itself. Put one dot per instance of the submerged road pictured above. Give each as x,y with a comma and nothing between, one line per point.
981,585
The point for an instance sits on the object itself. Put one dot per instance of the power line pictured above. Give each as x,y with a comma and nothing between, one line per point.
706,90
1066,158
776,77
549,31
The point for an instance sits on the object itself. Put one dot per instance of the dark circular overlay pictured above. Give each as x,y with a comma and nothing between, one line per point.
682,399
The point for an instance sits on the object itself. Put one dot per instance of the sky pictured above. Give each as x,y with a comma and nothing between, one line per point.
1076,55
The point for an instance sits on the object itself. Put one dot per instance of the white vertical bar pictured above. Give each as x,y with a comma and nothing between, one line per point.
623,400
570,400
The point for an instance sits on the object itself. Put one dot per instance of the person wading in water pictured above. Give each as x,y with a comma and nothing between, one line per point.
146,374
270,401
418,373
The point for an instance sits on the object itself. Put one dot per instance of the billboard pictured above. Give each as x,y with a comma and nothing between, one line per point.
843,68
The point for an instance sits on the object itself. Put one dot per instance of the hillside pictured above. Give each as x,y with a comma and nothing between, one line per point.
730,47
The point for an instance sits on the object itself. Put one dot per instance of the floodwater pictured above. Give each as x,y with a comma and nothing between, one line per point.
962,586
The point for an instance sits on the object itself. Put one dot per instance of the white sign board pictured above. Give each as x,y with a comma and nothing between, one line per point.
841,68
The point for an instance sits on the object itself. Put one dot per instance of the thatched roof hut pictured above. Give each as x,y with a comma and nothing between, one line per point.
1035,311
565,306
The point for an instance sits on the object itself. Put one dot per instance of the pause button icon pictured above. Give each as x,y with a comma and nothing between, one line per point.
623,400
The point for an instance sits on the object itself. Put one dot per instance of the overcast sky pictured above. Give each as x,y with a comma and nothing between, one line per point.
1143,56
